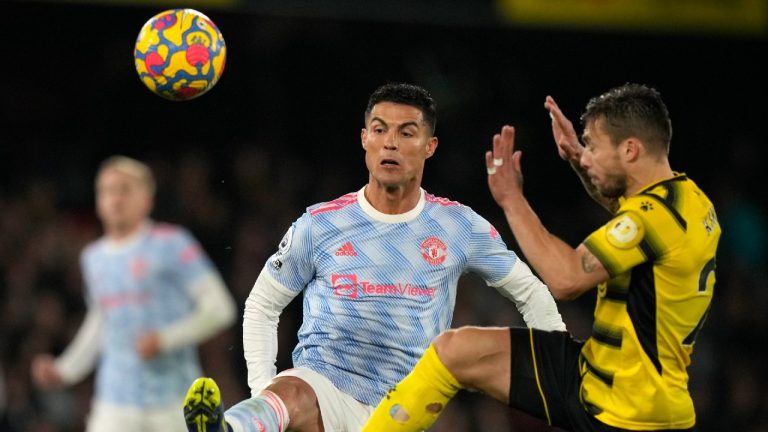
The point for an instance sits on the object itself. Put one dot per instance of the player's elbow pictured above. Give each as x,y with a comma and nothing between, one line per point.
564,289
567,296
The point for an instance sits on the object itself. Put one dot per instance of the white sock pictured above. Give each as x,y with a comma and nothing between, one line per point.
263,413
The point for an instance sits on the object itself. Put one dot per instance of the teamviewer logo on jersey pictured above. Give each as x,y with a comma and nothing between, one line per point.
348,285
344,285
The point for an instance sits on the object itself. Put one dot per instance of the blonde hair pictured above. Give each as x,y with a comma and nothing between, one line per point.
132,167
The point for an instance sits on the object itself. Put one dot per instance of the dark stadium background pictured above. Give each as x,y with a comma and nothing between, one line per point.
280,131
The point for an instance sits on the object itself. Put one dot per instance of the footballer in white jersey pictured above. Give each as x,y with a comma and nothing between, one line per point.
152,296
141,286
377,270
378,288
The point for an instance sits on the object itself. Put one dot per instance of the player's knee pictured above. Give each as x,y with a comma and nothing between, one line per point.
298,397
473,355
454,348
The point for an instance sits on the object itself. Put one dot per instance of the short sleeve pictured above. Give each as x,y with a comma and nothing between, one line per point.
86,271
293,264
489,256
187,257
620,244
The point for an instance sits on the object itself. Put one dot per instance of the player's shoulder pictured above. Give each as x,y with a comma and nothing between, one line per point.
447,207
335,205
641,204
438,201
93,248
168,232
165,229
660,200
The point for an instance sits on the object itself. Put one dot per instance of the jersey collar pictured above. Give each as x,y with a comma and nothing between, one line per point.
390,218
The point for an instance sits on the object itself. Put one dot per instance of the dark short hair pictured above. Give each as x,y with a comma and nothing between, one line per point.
406,94
632,110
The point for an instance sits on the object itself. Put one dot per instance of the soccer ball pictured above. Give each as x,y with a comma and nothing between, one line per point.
180,54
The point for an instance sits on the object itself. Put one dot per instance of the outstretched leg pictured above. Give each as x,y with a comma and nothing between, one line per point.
203,410
479,358
469,357
288,402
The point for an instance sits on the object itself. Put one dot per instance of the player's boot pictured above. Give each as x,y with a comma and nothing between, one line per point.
203,409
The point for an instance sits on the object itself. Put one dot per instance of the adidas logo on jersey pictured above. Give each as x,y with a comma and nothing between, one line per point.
346,250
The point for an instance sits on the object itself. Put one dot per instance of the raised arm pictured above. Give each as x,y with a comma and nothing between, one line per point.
570,149
568,272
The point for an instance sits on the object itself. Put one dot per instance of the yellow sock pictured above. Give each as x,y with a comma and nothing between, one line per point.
415,402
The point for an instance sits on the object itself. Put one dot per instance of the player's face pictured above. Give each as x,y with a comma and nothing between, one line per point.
601,159
397,141
122,200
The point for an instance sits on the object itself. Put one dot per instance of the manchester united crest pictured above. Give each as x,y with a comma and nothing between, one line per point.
433,250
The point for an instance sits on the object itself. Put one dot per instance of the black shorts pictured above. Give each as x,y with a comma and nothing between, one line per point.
545,380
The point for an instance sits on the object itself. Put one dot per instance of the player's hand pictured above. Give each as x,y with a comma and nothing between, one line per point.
505,177
568,146
148,345
44,372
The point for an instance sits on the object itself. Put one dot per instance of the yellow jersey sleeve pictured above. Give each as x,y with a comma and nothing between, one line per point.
642,229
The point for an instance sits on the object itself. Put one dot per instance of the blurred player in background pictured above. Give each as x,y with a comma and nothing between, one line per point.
654,263
378,270
152,295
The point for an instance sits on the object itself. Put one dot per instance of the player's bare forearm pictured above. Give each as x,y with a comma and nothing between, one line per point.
555,261
610,204
557,264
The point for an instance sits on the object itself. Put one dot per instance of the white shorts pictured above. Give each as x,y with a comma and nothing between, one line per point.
107,417
340,411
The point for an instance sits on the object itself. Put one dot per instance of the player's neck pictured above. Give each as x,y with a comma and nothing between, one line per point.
396,200
121,234
648,175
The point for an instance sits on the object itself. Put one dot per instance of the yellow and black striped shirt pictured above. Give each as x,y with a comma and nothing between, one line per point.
659,250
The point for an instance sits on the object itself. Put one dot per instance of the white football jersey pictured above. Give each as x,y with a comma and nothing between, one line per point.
378,288
142,287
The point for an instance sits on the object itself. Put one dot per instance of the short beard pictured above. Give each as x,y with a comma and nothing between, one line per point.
616,186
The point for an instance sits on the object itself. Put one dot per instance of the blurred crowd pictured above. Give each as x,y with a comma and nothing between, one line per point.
239,206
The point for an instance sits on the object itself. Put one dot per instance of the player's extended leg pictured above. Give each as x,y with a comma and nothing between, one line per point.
287,401
469,357
203,409
479,358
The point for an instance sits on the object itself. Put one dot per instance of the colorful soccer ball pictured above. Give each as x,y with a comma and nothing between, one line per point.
180,54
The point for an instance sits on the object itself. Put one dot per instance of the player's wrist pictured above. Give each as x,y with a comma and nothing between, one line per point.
513,202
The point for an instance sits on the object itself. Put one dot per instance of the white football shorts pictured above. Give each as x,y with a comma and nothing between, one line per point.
107,417
340,411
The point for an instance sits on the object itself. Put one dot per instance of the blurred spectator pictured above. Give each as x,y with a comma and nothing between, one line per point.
153,295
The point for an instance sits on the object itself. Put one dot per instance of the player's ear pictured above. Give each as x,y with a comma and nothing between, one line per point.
632,148
431,146
363,136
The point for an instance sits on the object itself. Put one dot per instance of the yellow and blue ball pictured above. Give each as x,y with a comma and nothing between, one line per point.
180,54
